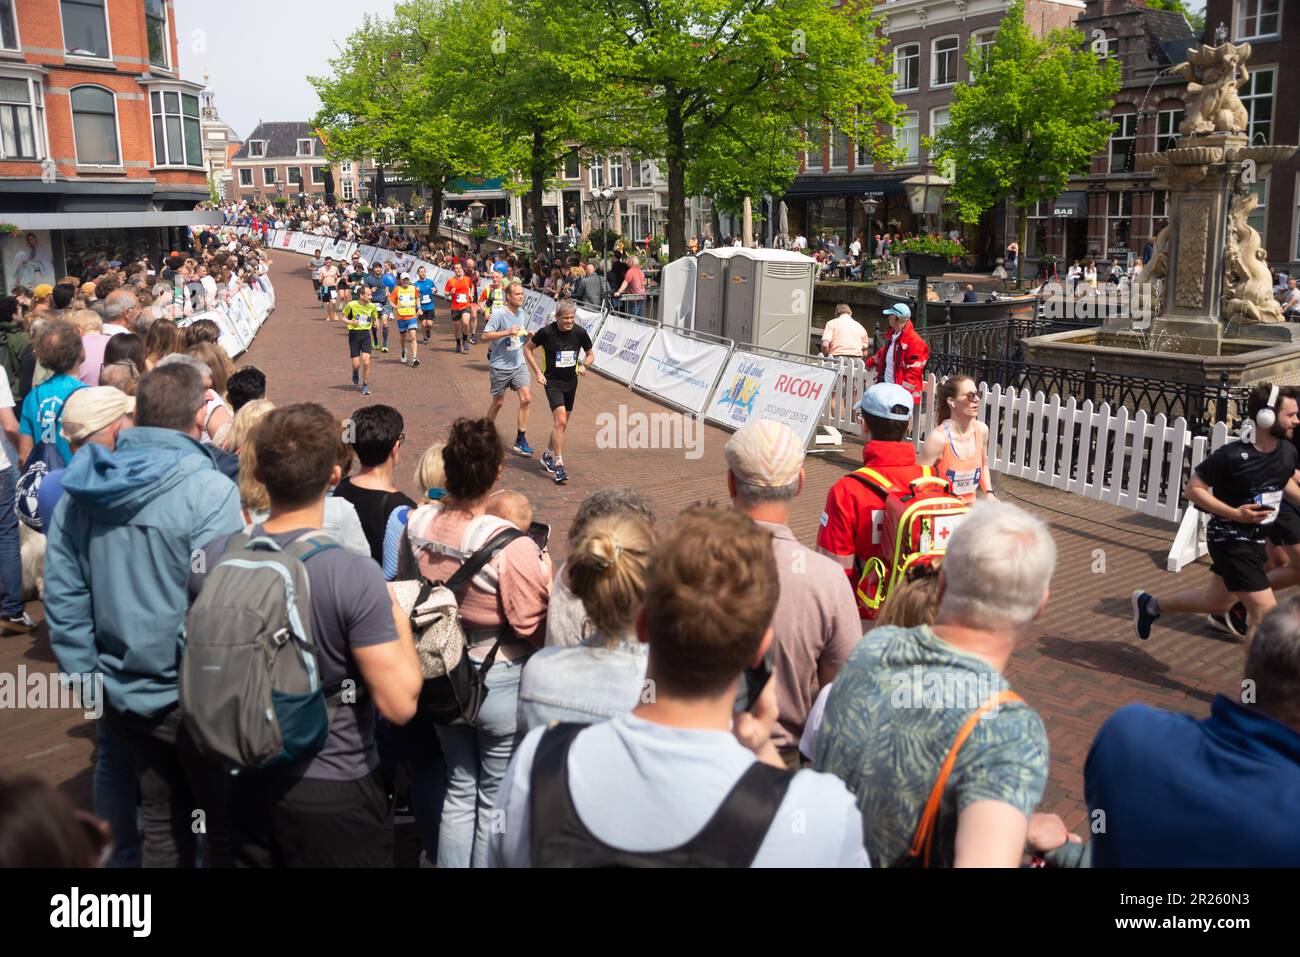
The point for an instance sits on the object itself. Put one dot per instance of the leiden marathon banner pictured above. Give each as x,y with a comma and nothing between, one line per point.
681,370
621,346
754,386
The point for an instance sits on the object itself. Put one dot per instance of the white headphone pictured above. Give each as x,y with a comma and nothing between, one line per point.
1267,416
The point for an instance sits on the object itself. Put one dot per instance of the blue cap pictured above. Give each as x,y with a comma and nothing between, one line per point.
899,309
881,398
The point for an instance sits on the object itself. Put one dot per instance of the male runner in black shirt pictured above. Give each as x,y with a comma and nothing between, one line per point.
561,342
1242,486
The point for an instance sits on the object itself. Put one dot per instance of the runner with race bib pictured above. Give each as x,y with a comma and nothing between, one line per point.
568,352
958,445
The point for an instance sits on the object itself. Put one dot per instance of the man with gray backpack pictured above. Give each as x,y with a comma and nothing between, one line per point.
288,626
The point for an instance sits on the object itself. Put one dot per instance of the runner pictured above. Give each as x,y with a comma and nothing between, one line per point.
390,283
360,315
315,264
561,342
494,294
379,296
1242,486
459,290
329,293
958,445
472,272
406,306
507,367
426,288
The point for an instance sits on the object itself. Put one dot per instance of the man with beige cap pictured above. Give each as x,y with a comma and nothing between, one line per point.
91,416
816,622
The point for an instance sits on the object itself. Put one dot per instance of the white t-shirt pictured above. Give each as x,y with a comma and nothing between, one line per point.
889,358
643,786
6,402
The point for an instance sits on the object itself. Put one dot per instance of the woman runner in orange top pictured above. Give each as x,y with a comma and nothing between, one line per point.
958,444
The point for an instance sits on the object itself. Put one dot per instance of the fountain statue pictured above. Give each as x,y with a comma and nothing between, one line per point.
1210,257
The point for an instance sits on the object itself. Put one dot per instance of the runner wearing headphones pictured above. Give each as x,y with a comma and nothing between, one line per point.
1242,486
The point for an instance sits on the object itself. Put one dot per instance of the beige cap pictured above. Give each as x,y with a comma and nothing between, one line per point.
88,410
765,453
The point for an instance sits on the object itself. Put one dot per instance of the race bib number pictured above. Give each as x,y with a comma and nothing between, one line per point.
1274,501
965,482
566,359
462,298
425,300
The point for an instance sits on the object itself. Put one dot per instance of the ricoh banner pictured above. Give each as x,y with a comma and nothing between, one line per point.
755,386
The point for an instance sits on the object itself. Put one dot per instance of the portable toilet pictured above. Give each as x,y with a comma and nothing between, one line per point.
711,273
769,299
677,293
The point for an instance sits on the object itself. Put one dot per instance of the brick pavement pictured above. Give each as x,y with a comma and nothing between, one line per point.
1077,665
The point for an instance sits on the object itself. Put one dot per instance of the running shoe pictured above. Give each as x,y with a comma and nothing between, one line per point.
384,349
548,461
523,448
356,377
403,356
1234,622
561,476
1142,616
473,340
414,363
365,390
22,625
458,345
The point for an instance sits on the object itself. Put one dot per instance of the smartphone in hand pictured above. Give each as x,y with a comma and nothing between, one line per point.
540,533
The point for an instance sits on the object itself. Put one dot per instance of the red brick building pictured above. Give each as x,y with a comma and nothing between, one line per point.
100,150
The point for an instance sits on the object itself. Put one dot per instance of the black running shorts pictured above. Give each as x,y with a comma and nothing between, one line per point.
1240,565
1286,529
560,393
358,342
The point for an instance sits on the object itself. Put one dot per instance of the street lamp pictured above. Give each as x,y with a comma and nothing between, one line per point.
925,194
869,206
602,200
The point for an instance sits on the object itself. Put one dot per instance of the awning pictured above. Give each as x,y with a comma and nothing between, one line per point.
117,220
1071,206
843,186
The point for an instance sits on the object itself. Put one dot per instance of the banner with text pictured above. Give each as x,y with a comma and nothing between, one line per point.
754,386
621,347
681,370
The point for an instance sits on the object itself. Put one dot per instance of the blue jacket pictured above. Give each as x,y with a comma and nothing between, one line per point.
118,553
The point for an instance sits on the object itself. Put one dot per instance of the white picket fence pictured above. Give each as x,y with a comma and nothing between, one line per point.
1131,460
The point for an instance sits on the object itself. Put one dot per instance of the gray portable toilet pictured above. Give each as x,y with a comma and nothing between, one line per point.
711,274
769,299
677,293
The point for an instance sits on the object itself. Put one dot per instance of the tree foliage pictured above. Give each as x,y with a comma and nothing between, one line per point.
1033,117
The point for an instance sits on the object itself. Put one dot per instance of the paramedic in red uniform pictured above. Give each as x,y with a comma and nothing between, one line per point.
903,358
851,525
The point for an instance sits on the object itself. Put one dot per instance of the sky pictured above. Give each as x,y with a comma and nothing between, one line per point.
259,53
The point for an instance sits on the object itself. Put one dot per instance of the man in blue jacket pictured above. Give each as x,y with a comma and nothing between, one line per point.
120,547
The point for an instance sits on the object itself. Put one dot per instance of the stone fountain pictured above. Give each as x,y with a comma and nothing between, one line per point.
1217,312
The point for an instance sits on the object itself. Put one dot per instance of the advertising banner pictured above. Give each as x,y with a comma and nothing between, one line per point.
681,370
621,347
762,387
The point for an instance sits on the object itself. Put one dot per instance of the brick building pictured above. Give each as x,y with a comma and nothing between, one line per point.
1272,28
1116,209
100,154
280,160
929,40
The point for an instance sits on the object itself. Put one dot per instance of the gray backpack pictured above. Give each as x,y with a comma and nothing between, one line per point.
250,687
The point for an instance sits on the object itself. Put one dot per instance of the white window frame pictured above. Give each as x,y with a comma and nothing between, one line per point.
898,76
564,174
914,157
1162,207
1260,215
18,39
983,39
634,179
1241,9
349,191
838,161
596,176
1109,46
314,171
160,162
108,33
616,171
309,147
249,171
290,181
117,124
939,109
166,65
1121,121
1040,212
1125,199
274,176
36,103
934,61
1175,120
1250,98
254,154
346,167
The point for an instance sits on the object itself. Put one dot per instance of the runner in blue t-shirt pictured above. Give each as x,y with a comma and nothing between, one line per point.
425,287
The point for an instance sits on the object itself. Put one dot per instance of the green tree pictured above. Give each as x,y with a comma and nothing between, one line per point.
1035,115
694,81
397,93
1197,20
